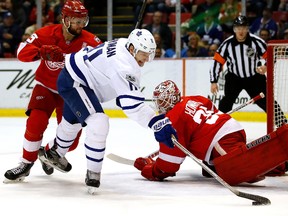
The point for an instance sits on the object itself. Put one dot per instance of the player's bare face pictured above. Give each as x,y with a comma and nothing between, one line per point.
142,57
241,32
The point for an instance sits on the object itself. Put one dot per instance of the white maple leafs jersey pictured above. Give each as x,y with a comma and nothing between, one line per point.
111,72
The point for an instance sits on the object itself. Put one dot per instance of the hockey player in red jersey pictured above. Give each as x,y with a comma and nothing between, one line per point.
214,137
49,45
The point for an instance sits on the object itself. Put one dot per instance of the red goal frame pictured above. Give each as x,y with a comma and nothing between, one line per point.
270,82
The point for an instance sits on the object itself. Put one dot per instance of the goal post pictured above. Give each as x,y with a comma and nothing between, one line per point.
277,83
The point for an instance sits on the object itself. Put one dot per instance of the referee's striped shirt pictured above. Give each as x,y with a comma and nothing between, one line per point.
241,57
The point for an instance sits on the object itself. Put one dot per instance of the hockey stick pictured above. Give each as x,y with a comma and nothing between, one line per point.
141,14
251,101
258,200
126,161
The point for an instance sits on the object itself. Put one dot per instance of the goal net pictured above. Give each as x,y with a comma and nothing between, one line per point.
277,83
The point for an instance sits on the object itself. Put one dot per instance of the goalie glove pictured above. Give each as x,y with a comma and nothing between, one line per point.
140,162
153,173
51,53
163,130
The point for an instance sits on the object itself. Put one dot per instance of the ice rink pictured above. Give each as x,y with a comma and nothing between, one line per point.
123,190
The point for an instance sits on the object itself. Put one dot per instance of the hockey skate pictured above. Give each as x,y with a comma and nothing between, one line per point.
92,181
53,159
19,173
46,168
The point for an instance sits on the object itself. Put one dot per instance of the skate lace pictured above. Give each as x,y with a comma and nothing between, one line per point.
21,168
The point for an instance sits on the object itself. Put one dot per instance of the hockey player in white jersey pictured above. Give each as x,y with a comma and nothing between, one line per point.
96,75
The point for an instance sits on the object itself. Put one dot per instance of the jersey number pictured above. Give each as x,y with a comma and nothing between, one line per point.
32,38
209,116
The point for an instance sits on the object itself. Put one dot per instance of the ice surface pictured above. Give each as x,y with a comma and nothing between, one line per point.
123,191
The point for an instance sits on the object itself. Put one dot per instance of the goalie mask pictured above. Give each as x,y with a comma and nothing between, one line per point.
143,40
165,96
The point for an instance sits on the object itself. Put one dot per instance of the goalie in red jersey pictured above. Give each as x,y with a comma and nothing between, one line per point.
49,45
213,137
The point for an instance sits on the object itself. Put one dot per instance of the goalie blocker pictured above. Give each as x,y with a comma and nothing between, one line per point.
256,159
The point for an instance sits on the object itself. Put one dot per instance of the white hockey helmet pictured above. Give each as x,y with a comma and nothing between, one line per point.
143,40
166,95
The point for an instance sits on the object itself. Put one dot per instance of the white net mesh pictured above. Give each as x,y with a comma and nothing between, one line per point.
280,90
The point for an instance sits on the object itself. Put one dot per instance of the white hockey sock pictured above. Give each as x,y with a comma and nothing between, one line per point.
65,136
95,141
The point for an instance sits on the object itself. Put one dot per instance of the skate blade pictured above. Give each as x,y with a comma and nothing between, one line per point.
92,190
9,181
47,162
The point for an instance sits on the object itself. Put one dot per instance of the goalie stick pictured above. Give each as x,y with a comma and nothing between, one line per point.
126,161
251,101
258,200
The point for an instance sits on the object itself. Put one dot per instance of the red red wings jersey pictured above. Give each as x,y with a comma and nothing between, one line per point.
199,125
48,71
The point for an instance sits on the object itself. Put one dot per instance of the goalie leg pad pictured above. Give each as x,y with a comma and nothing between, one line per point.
255,159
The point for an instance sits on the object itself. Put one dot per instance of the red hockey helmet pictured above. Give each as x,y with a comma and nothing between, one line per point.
166,95
74,8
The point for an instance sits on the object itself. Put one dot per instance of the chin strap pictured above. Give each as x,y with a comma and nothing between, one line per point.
67,27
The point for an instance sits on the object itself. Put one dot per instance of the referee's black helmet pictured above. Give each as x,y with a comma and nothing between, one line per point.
241,21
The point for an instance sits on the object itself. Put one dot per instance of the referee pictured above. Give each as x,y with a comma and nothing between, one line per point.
242,53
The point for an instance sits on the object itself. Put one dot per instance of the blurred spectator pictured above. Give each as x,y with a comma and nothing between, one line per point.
192,52
282,26
212,49
18,12
198,15
265,34
32,28
46,10
212,5
265,21
10,36
210,29
283,5
229,10
195,47
157,26
167,53
186,6
151,7
2,8
159,52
